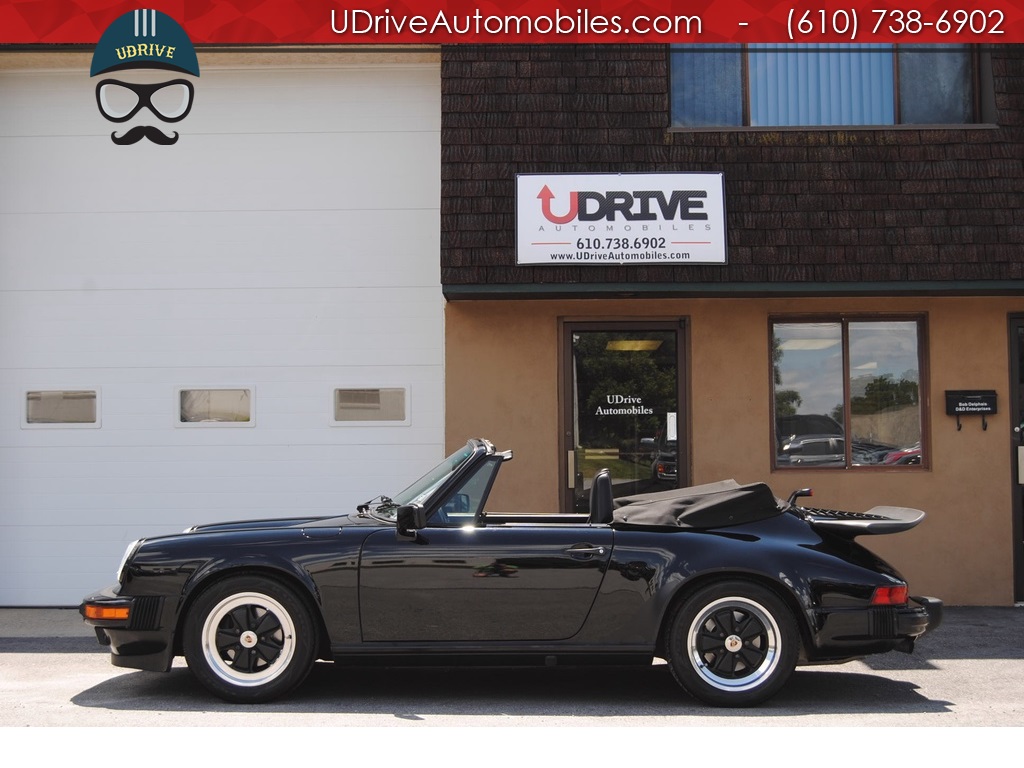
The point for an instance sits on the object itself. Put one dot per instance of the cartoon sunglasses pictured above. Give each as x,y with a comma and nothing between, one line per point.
119,101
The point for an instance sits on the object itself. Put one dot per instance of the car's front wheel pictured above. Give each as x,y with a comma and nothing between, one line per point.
249,639
733,644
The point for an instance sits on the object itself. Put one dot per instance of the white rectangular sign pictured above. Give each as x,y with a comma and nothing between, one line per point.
620,218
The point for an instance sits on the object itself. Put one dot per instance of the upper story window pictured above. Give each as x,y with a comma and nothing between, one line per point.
847,392
770,85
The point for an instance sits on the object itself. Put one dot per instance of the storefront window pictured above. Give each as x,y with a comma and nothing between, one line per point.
847,393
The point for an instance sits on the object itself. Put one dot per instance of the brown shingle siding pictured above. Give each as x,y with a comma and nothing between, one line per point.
872,206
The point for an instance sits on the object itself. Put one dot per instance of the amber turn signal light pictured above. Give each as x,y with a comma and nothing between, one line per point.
105,612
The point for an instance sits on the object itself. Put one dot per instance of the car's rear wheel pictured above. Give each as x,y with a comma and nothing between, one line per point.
733,644
249,639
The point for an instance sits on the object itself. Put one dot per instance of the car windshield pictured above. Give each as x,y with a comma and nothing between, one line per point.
420,491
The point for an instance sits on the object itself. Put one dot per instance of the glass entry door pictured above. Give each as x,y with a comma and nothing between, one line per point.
623,408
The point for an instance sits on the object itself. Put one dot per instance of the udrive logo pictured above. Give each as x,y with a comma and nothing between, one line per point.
678,205
137,42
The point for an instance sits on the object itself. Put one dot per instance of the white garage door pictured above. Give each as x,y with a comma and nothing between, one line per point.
247,323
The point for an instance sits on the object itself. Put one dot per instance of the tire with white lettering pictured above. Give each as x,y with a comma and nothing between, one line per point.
249,639
733,644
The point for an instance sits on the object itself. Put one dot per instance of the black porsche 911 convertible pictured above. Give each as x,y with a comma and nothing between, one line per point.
730,585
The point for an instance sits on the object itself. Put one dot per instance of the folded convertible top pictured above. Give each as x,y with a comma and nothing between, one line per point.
713,505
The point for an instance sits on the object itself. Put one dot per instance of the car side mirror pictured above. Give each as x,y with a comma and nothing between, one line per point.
409,519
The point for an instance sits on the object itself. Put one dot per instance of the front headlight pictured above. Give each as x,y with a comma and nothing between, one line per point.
129,551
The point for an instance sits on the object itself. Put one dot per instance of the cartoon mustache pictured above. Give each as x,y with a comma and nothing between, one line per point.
140,132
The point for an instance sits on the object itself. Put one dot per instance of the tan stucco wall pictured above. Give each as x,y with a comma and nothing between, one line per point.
502,370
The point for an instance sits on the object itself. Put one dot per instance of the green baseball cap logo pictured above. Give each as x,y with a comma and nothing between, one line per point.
140,40
144,39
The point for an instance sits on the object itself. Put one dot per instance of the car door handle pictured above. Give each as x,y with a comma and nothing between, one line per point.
585,550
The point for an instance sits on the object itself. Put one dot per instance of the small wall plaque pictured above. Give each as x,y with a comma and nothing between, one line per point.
970,402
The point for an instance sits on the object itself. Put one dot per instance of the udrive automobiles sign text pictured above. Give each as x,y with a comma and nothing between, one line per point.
631,218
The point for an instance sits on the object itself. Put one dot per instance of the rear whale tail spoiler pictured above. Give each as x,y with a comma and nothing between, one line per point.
876,521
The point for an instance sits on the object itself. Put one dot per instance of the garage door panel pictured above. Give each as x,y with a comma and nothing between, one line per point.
222,335
280,249
230,101
288,243
269,172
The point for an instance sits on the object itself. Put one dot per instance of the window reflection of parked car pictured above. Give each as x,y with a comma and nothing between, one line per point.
809,438
799,424
665,465
904,456
813,449
819,440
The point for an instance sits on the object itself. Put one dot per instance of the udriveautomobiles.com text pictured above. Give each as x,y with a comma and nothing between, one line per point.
362,22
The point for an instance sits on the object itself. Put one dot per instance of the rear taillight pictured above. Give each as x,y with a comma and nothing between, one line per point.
889,595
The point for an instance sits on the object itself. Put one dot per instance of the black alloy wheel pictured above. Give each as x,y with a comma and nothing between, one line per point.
733,644
249,639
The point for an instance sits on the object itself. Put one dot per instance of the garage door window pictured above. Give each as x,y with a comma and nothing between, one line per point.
387,405
62,408
225,407
847,393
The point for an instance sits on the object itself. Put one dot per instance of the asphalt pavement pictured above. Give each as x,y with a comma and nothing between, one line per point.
969,673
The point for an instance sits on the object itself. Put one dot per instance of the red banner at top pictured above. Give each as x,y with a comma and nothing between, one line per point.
387,22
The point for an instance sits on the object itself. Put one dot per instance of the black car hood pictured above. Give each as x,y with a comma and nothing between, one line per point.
270,524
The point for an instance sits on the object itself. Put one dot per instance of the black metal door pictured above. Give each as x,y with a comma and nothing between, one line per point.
1017,446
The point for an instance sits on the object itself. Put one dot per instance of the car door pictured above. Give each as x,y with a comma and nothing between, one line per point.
481,584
